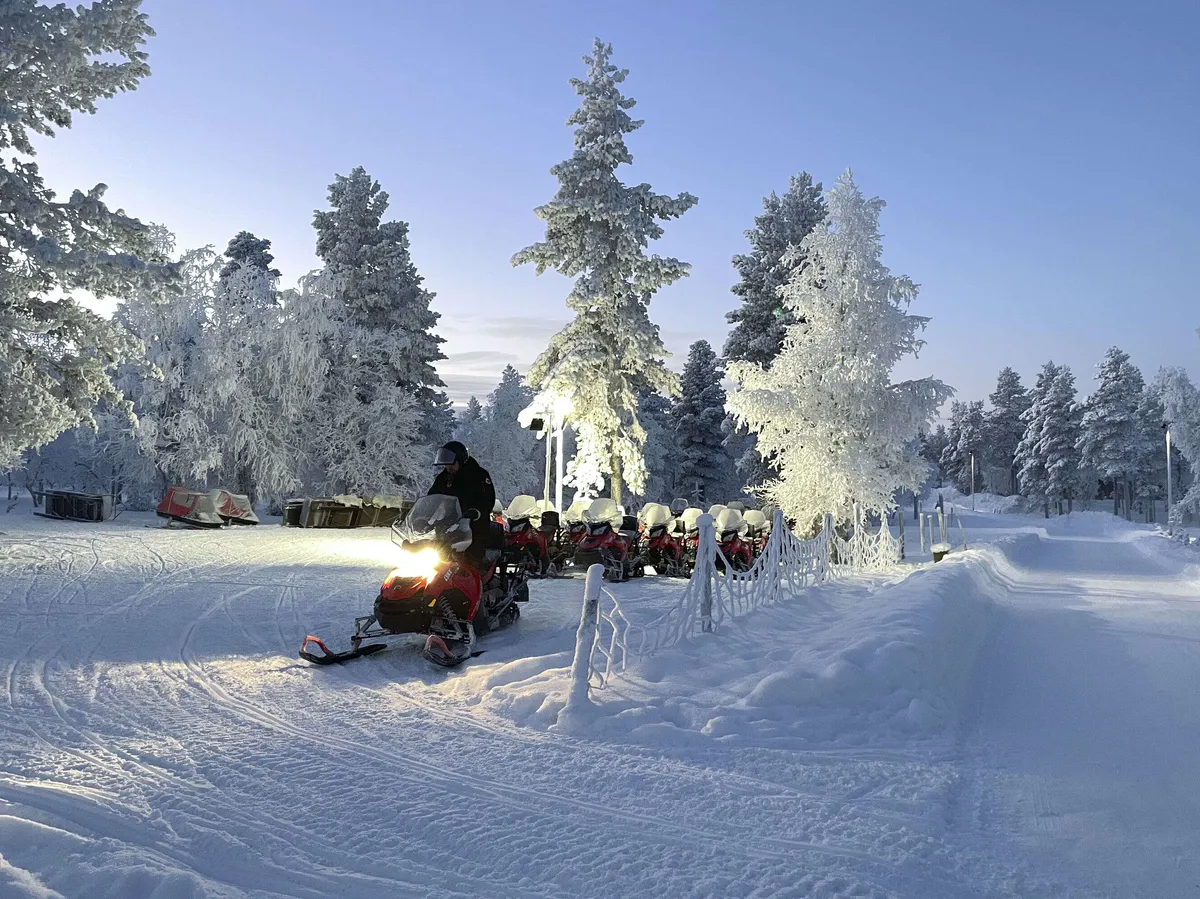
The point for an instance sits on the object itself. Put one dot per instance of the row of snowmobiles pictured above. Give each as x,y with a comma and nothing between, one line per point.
451,590
663,538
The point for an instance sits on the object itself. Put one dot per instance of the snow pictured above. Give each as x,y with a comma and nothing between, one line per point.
1019,719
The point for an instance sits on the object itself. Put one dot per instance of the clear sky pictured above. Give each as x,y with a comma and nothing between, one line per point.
1039,159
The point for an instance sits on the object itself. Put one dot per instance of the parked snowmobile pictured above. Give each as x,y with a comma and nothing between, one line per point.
689,520
758,529
664,549
532,538
574,528
730,527
611,540
435,590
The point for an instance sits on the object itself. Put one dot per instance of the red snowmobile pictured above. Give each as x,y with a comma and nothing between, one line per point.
436,590
665,551
612,540
533,537
730,528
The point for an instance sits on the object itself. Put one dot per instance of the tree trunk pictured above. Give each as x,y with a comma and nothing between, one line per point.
615,481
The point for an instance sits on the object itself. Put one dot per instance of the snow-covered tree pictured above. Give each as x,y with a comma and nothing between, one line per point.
1111,427
704,463
513,455
1004,429
761,320
965,439
57,359
654,413
597,232
949,462
247,250
388,339
826,411
1065,477
1181,410
933,444
1150,448
1033,475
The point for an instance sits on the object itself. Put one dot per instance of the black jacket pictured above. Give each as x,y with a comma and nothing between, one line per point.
472,485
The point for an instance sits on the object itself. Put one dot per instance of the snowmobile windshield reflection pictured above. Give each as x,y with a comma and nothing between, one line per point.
433,519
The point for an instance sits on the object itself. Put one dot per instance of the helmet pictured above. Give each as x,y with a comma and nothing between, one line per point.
450,453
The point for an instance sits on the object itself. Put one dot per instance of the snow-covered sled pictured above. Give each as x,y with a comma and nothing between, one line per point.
190,507
234,508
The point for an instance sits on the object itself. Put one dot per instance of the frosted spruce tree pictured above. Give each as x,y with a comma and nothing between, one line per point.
1111,428
966,439
703,463
826,411
597,232
512,455
57,359
245,249
380,302
1149,449
761,320
1032,474
662,463
1004,429
933,444
949,462
1181,409
1065,478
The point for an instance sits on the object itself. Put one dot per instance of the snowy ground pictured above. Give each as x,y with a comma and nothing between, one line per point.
1019,720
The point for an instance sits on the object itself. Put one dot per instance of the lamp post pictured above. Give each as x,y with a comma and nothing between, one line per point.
972,482
1167,432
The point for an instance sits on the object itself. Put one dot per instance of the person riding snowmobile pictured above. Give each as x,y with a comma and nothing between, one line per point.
468,481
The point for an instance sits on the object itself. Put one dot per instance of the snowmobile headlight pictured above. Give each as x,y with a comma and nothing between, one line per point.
421,564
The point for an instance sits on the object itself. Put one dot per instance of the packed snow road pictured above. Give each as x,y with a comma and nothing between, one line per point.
1082,739
1016,721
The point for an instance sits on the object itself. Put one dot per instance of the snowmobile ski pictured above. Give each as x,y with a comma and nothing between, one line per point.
328,657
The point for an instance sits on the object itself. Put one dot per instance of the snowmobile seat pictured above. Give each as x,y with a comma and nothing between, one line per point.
549,523
677,506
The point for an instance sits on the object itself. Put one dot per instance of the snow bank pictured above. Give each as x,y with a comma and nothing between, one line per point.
845,664
984,502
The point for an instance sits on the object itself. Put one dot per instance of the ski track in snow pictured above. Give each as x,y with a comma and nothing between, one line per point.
159,738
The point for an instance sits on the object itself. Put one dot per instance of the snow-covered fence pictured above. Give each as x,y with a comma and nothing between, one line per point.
866,550
602,639
716,592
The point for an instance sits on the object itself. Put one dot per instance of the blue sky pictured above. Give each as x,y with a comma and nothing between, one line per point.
1038,159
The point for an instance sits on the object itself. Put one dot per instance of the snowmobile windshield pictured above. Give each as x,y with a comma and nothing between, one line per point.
433,518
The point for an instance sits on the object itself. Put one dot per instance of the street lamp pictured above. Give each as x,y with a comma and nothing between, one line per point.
972,482
1167,432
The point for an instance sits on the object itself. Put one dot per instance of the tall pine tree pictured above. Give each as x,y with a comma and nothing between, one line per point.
1060,430
597,232
826,410
381,302
703,462
1033,475
761,319
1005,428
1111,427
